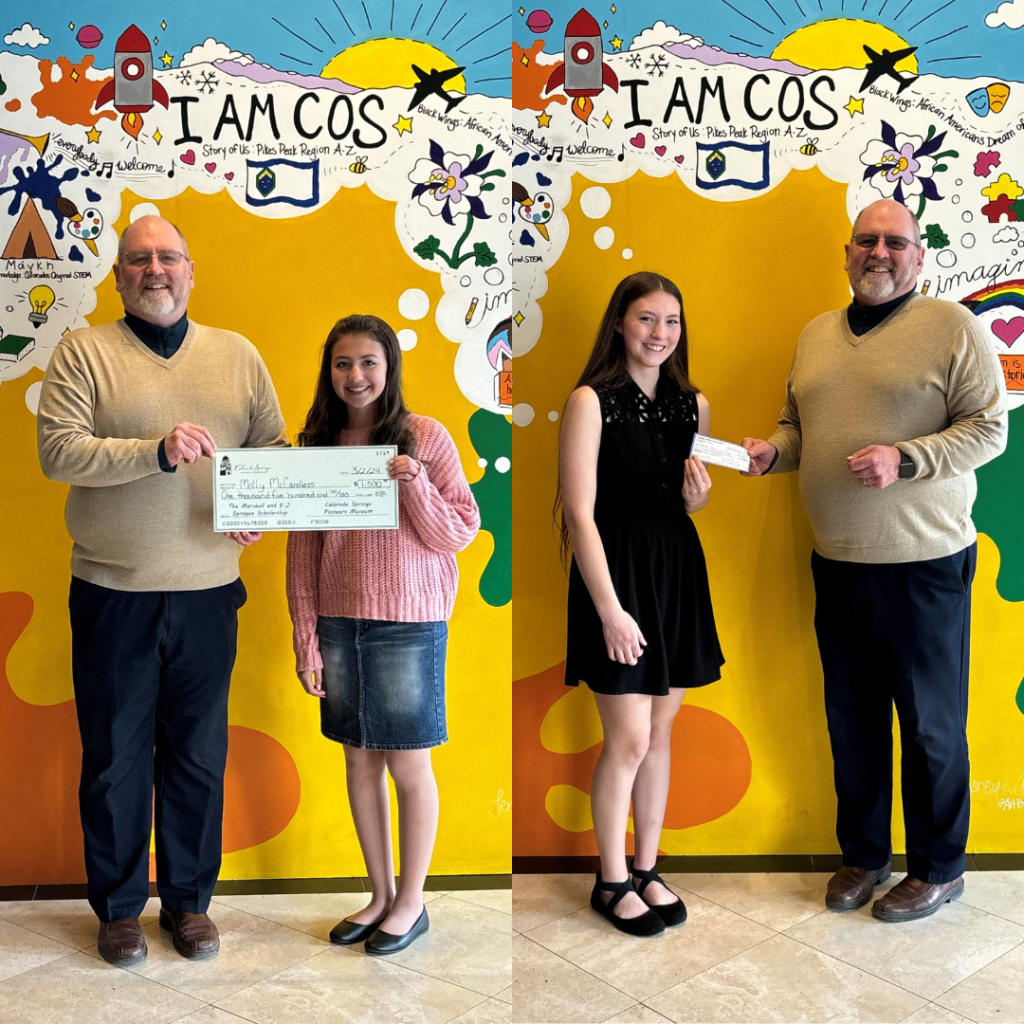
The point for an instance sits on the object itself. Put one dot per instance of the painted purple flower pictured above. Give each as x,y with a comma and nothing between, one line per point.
449,184
901,166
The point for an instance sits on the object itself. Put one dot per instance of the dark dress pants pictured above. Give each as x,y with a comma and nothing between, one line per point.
898,633
151,673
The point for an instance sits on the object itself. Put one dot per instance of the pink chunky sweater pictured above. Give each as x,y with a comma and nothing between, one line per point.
404,575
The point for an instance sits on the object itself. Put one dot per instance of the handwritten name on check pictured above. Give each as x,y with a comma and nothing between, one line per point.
340,488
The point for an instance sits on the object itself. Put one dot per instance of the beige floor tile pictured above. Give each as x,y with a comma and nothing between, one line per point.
999,892
490,1011
549,989
342,986
309,912
638,1014
539,899
932,1014
71,922
467,945
505,995
642,967
22,950
493,899
211,1015
926,957
79,989
995,993
777,901
782,980
250,949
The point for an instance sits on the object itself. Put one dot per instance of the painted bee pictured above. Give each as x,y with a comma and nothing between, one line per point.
810,147
358,167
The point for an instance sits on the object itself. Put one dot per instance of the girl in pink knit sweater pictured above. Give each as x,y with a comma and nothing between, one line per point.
369,610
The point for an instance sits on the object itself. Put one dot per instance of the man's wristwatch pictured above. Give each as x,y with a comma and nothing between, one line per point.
907,466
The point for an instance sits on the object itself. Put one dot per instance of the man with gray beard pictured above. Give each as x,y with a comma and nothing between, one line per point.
127,413
891,405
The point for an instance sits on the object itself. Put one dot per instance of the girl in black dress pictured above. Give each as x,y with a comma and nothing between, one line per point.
640,624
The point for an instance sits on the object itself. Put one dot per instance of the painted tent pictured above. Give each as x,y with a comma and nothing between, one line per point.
728,146
321,158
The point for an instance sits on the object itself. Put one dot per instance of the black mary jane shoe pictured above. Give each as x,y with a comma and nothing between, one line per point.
381,943
646,924
671,913
348,933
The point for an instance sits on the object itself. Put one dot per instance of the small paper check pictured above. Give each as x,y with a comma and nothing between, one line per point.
720,453
340,488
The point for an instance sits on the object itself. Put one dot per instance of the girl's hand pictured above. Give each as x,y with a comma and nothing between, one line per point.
403,468
622,638
696,484
312,683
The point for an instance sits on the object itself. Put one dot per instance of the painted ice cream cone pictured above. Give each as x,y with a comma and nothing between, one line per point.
542,228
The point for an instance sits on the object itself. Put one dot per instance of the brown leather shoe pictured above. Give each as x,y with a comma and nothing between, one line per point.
122,942
850,888
194,936
912,898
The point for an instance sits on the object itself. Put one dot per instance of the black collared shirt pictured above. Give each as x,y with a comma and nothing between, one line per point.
164,341
864,318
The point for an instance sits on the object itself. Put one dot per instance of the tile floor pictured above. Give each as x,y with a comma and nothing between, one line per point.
275,966
762,947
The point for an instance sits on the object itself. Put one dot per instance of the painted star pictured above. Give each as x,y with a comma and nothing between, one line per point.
616,43
519,318
855,106
163,24
158,136
403,125
543,120
71,26
93,134
607,120
167,59
525,61
74,76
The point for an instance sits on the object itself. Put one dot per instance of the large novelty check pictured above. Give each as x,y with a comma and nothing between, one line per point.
342,488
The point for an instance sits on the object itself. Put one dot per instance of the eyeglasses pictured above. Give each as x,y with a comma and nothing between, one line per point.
895,243
167,257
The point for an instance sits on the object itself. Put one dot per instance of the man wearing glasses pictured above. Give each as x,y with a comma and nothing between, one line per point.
128,412
891,405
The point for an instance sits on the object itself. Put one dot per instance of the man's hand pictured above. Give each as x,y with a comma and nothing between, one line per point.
244,538
188,442
312,683
876,466
761,453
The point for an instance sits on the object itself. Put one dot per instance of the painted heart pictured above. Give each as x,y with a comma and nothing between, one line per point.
679,159
210,167
660,150
638,140
188,157
230,175
1008,331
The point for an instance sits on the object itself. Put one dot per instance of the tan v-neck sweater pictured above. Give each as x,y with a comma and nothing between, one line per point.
107,400
926,380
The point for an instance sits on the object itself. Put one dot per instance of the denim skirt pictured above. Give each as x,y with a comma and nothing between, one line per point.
384,683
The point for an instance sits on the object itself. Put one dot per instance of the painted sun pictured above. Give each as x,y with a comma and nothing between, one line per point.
385,63
839,43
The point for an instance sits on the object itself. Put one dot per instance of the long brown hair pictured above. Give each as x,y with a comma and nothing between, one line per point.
607,362
328,415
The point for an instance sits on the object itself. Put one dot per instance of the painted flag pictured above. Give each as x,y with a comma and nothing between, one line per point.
732,163
282,181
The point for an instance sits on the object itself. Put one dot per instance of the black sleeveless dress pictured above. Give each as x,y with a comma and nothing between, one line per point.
654,554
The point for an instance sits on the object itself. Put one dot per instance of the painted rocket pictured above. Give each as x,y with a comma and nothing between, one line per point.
133,88
583,72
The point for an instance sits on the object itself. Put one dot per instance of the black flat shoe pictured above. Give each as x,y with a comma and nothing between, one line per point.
381,943
671,913
348,933
645,924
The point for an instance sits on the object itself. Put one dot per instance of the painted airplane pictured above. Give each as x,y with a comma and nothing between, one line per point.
583,71
884,63
133,88
434,84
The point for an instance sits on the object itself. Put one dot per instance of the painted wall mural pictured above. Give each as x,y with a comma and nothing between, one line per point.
728,146
321,159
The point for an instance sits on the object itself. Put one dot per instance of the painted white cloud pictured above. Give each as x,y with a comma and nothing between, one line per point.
1006,234
662,34
28,35
210,50
1010,14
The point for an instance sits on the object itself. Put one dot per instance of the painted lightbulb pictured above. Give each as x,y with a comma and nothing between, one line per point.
42,298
